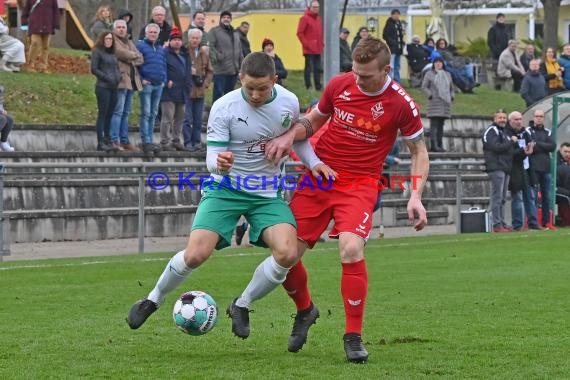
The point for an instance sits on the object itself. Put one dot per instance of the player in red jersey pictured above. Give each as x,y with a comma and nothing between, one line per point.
367,110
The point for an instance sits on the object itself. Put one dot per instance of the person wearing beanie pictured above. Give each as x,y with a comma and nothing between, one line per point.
344,51
268,48
393,34
226,55
497,37
175,92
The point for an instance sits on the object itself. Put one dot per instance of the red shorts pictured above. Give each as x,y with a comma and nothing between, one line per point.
351,208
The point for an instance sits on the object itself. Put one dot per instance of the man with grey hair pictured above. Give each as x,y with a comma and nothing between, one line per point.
418,58
159,18
153,77
129,59
510,65
522,192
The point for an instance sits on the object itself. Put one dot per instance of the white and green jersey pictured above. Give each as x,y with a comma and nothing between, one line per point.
244,130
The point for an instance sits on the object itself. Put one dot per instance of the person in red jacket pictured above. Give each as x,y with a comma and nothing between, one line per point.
310,33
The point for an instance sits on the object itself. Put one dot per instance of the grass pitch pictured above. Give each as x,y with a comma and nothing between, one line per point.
475,306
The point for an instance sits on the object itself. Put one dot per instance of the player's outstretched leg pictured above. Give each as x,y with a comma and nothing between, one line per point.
240,319
303,321
173,275
355,350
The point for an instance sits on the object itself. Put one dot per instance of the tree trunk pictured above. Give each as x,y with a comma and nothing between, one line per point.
551,12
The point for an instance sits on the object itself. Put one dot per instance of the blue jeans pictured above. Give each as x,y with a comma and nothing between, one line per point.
545,184
106,101
524,199
192,127
150,98
120,120
395,64
223,83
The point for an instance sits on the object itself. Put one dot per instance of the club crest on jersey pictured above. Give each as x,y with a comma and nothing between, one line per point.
286,119
377,110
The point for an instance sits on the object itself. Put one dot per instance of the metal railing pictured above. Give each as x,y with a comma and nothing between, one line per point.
141,171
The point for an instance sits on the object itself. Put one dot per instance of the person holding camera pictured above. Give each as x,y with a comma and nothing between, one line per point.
521,183
202,74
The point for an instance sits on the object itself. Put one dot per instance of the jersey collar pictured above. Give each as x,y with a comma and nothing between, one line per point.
272,98
386,85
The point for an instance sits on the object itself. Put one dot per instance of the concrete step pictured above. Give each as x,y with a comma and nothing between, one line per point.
462,134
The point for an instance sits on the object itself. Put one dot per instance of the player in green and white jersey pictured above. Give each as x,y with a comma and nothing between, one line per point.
245,183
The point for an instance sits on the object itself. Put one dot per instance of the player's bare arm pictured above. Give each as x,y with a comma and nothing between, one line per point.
419,171
304,128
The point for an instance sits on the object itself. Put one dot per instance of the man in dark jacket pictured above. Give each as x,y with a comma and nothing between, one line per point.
540,163
522,191
242,34
497,37
498,151
393,34
345,53
533,87
226,55
158,18
175,93
563,184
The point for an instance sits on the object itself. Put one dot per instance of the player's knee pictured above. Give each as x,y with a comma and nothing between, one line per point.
286,255
195,256
351,251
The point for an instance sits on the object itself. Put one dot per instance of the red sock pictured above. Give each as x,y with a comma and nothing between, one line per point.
297,287
354,287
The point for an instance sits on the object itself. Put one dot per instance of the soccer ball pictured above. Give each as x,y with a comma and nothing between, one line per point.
195,313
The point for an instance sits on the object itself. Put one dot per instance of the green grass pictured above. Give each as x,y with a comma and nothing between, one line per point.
70,99
476,306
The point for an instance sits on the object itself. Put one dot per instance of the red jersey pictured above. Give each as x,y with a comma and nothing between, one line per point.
363,126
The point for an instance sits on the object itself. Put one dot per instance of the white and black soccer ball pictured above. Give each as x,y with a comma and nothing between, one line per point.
195,312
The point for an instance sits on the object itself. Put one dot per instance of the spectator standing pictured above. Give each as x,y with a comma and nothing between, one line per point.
510,66
199,22
552,72
563,184
129,59
42,19
564,62
438,88
127,16
418,55
540,163
105,67
153,76
362,34
242,31
345,52
310,33
497,37
268,48
498,152
176,92
523,200
11,49
6,124
225,54
159,18
102,22
527,56
393,34
533,86
202,74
